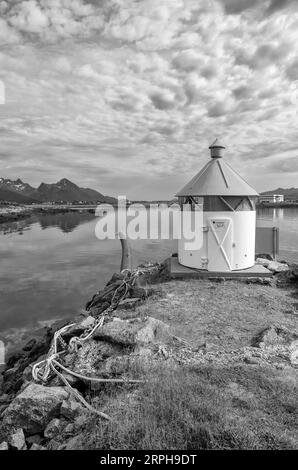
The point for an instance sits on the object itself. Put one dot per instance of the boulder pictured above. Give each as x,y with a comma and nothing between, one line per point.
294,270
118,331
4,399
37,447
276,267
265,281
71,409
132,333
263,261
89,359
128,304
3,446
34,439
274,336
79,328
153,331
54,428
17,440
34,408
69,429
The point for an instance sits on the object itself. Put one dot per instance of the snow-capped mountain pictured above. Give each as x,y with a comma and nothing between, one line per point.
64,190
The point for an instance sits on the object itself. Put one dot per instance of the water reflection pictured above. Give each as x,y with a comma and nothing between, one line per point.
66,223
57,265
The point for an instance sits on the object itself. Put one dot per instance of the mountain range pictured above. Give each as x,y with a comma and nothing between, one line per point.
64,190
289,193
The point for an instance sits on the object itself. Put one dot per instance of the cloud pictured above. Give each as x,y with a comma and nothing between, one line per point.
51,19
292,70
163,99
235,7
277,5
139,88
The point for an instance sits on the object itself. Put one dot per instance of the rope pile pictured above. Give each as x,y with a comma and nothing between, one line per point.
43,370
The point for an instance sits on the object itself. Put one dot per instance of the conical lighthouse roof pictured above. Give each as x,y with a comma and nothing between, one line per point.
217,178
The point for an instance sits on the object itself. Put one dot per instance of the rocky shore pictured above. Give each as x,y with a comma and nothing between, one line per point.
167,327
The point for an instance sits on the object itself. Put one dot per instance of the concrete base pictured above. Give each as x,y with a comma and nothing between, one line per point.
179,271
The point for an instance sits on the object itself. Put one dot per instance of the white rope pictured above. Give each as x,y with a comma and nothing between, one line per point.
42,369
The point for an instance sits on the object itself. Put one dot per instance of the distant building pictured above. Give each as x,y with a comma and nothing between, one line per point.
272,198
292,198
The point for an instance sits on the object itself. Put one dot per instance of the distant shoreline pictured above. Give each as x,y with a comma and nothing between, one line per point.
276,205
15,213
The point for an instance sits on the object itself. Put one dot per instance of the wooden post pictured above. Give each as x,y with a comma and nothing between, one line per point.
126,259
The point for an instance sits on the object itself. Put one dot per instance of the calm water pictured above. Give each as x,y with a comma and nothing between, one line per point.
51,265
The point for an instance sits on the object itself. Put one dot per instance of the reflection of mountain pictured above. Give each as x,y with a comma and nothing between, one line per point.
66,222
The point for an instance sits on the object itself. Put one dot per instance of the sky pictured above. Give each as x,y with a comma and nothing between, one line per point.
125,96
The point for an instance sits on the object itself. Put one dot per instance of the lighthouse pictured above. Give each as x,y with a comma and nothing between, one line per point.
228,205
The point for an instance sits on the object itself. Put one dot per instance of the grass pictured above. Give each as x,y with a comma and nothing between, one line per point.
226,315
204,408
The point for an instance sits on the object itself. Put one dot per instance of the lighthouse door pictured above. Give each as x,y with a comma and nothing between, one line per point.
220,244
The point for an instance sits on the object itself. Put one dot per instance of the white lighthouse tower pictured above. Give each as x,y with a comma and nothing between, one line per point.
228,219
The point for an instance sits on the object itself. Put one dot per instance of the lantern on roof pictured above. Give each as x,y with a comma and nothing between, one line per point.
228,220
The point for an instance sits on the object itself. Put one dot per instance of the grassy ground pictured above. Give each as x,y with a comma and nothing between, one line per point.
204,408
227,315
209,407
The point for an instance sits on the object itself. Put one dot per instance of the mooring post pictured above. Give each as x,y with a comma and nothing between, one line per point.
126,259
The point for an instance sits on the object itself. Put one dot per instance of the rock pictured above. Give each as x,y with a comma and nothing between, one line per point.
28,346
132,333
4,399
79,328
263,261
75,443
3,446
264,256
12,380
69,429
71,409
53,445
118,331
128,304
34,407
116,366
37,447
153,331
276,267
265,281
294,270
87,322
82,420
274,336
90,357
17,440
53,429
34,439
18,361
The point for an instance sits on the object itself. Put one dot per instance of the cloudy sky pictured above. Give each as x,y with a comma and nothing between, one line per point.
125,96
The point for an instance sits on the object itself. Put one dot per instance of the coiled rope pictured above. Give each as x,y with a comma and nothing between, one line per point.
42,370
